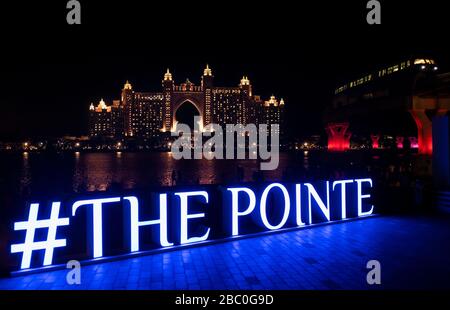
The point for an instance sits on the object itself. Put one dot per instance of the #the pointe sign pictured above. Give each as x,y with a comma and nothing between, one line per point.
99,228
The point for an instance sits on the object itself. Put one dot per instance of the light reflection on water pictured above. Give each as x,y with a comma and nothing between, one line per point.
80,172
25,176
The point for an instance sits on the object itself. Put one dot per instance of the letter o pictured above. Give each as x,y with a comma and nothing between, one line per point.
263,207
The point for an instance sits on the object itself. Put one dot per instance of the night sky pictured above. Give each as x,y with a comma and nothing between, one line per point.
50,71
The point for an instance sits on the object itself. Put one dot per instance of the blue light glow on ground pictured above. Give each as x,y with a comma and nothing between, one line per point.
413,252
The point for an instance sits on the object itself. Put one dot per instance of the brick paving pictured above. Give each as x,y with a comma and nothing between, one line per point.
414,253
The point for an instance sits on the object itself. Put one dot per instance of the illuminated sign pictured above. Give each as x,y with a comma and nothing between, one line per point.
99,228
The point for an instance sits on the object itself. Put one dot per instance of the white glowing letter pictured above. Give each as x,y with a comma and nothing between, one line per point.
343,196
263,206
97,226
361,197
313,193
30,227
184,239
298,206
135,224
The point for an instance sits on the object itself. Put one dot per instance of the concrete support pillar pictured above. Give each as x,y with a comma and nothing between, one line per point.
375,141
399,142
413,143
338,136
424,131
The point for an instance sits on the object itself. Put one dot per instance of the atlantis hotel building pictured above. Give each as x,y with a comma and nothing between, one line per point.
148,114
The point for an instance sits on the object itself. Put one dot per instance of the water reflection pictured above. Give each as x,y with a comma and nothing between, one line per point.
34,173
25,176
80,172
77,179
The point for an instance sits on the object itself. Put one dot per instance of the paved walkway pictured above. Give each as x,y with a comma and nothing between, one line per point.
414,253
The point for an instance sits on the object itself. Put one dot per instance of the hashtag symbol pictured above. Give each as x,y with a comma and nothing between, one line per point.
30,227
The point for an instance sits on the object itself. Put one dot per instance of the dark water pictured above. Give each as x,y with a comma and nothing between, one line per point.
30,176
34,173
45,177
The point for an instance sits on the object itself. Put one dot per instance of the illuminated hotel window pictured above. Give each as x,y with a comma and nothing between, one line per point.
423,61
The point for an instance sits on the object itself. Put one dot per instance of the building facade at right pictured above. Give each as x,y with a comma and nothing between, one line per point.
397,101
